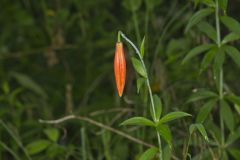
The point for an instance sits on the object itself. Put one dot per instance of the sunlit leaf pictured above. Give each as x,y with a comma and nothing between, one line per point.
165,132
139,121
52,134
138,67
200,128
142,48
172,116
149,154
167,153
37,146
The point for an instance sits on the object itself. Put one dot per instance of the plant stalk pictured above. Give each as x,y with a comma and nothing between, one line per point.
221,71
149,89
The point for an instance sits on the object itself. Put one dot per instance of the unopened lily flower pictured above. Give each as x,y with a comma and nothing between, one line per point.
120,67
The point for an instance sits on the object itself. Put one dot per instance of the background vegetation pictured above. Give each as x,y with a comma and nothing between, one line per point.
56,59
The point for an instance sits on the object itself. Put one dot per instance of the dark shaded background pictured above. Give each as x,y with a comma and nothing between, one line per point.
56,57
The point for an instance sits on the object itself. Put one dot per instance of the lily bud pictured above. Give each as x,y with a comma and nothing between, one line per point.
120,68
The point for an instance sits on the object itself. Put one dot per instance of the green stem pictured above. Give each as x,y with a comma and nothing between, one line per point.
218,25
83,138
119,37
149,89
186,152
221,72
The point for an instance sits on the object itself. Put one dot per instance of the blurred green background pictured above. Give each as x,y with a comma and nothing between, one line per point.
56,58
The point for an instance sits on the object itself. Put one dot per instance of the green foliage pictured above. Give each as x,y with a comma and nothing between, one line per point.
202,94
158,106
196,51
165,132
142,48
52,134
197,17
231,24
172,116
205,111
140,83
56,59
37,146
138,67
149,154
200,128
138,121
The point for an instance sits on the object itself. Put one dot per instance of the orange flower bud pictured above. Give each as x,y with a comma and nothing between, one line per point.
120,68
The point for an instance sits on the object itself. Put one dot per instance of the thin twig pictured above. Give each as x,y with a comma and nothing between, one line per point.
91,121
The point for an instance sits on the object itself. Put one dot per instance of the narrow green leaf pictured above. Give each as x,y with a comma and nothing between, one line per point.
235,152
236,100
149,154
140,121
208,58
200,128
138,67
223,4
6,88
230,37
207,29
217,67
165,132
204,111
233,53
172,116
140,83
232,24
197,17
4,147
28,83
132,5
209,3
202,94
158,106
37,146
227,115
233,137
219,60
150,4
142,48
167,153
52,134
196,51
